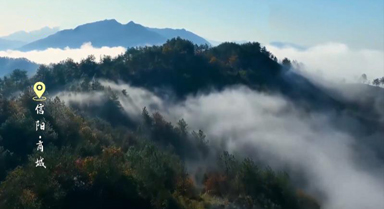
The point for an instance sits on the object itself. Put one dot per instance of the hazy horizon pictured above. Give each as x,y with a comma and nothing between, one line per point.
300,22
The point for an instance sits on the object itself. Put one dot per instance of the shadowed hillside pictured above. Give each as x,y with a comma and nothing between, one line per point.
7,65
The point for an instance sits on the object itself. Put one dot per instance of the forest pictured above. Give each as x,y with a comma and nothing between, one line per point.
102,158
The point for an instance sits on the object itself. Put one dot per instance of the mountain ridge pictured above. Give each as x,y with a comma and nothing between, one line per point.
111,33
28,37
10,44
7,65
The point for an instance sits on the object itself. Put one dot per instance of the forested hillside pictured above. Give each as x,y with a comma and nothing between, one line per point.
99,157
7,65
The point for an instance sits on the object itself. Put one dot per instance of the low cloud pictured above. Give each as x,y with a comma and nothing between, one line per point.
335,60
132,102
270,128
135,99
55,55
339,167
80,98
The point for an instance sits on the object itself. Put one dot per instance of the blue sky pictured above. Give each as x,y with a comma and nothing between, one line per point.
357,23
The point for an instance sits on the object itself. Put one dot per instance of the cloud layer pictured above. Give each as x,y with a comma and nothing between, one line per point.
339,168
268,127
331,60
52,55
335,60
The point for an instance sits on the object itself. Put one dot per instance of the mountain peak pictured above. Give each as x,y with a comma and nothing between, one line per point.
133,24
110,32
23,36
106,21
106,24
110,21
102,33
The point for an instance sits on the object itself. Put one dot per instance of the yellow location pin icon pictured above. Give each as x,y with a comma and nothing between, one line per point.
39,89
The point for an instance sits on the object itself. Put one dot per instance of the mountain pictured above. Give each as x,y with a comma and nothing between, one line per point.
35,35
182,33
9,44
111,33
7,65
215,43
103,33
105,141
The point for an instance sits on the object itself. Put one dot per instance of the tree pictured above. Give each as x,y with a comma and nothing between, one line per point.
364,78
376,82
99,155
287,63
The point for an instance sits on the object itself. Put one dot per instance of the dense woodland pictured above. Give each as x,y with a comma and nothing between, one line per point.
96,162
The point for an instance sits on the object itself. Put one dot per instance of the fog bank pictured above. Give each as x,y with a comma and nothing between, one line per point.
335,163
54,55
335,60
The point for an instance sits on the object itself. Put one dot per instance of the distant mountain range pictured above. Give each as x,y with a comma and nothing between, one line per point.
111,33
7,65
10,44
102,33
28,37
169,33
